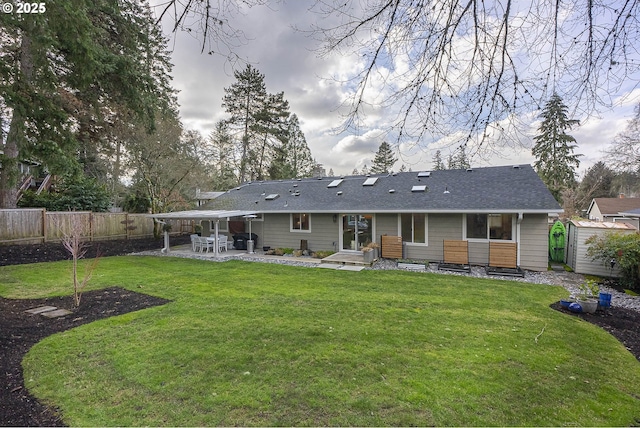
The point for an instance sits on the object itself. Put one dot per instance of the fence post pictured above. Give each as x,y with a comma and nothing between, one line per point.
44,225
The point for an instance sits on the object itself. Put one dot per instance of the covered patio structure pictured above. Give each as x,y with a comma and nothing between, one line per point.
213,216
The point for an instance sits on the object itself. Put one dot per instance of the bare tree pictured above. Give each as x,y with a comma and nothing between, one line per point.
74,233
471,68
210,21
624,153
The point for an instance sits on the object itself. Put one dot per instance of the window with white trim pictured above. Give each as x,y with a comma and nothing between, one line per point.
413,228
490,226
300,222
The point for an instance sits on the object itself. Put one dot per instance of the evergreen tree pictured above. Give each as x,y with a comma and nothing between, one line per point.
553,148
597,183
61,70
271,128
295,159
245,100
223,157
458,159
438,165
384,159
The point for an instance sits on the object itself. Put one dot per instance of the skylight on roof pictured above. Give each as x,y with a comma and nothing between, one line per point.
424,174
370,181
335,183
272,196
421,188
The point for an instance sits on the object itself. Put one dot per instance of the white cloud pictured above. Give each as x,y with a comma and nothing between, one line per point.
287,59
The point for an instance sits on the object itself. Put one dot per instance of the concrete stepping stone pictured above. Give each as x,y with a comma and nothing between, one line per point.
352,268
48,311
41,309
57,313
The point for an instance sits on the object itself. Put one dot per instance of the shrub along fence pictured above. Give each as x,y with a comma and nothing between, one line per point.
37,225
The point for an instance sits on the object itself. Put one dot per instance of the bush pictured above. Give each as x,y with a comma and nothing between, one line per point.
623,248
322,254
73,194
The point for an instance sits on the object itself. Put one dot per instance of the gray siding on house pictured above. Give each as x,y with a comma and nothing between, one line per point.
441,227
323,236
386,224
534,242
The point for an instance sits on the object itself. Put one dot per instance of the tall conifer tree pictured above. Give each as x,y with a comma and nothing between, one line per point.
384,159
244,100
556,162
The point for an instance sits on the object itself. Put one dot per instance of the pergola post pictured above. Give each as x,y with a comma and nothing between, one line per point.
216,228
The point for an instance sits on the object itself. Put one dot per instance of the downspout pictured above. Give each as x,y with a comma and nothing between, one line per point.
518,221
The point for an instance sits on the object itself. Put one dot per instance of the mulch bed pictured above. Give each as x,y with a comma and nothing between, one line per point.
20,330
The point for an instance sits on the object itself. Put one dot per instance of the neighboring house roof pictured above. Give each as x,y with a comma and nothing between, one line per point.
207,195
614,206
492,189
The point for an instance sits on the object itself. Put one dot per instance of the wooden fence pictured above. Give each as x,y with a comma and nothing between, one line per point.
36,225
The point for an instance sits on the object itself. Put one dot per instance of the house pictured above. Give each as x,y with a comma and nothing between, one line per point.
32,177
479,205
204,197
614,209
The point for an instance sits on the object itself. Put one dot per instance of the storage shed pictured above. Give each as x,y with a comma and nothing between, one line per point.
578,231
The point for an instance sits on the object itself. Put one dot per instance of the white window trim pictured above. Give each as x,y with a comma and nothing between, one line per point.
426,230
514,219
292,230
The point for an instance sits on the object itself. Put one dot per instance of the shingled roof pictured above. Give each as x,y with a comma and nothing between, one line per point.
492,189
613,206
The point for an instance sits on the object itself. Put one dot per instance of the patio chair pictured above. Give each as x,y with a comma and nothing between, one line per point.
456,256
503,259
205,244
195,243
222,242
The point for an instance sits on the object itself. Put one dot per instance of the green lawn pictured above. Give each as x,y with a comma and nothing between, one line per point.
263,344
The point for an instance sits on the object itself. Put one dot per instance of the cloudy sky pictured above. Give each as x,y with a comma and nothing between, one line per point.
290,63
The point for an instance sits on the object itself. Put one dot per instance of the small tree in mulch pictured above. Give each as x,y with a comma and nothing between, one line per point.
73,238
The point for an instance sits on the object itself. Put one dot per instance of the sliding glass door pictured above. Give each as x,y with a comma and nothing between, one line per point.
357,231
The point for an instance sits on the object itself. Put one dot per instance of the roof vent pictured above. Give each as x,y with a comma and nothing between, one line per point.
339,192
421,188
516,167
424,174
370,181
335,183
392,190
469,170
446,191
272,197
